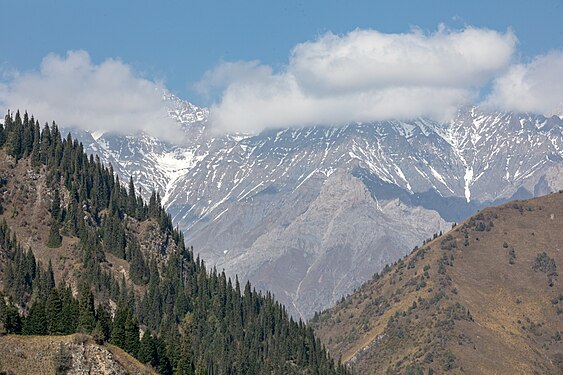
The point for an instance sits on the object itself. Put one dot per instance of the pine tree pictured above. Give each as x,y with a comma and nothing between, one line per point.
7,123
98,334
46,142
117,336
36,321
131,198
12,320
138,270
14,137
114,236
104,321
87,314
56,206
53,310
27,135
50,276
70,312
131,335
153,209
55,239
147,350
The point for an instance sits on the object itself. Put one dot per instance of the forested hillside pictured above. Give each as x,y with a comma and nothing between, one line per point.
79,252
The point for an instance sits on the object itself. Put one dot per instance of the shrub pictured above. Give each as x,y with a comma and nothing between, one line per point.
449,361
511,256
544,264
63,360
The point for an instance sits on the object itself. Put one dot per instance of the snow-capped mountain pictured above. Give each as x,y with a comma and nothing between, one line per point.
311,213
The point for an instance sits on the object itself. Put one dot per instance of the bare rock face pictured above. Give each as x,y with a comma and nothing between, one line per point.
311,213
334,245
93,359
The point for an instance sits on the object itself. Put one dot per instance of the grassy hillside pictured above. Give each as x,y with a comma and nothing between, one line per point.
484,298
38,355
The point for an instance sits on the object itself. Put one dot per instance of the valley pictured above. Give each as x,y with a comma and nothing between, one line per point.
263,206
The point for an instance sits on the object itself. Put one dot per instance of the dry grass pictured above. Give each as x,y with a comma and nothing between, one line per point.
514,313
36,355
31,354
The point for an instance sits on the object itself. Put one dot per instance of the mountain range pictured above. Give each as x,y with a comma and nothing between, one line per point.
312,213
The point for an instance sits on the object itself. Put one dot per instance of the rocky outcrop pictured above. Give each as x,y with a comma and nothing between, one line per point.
73,355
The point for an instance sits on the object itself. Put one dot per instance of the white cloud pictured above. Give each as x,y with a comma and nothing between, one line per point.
230,72
361,76
75,92
533,87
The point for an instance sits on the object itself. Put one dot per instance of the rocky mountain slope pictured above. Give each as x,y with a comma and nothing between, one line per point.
264,206
484,298
76,354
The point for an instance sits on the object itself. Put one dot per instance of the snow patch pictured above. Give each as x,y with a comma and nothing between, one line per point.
468,180
97,134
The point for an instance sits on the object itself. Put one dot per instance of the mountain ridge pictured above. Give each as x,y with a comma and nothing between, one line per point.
483,298
210,182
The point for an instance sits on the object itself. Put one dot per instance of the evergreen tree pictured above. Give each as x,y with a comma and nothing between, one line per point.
114,236
14,137
103,319
147,350
153,209
56,206
117,336
36,149
98,334
53,313
12,320
7,124
131,335
138,269
87,314
46,142
70,313
131,198
27,135
50,278
36,320
55,239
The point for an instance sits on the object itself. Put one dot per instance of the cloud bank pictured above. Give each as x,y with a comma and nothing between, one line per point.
364,75
534,87
77,93
361,76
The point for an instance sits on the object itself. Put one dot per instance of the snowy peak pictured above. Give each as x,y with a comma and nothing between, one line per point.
183,111
250,203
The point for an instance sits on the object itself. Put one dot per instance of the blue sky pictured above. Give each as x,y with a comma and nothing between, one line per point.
177,41
261,64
